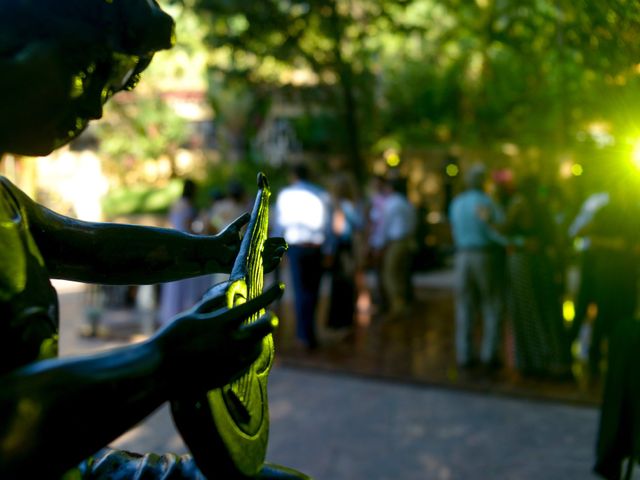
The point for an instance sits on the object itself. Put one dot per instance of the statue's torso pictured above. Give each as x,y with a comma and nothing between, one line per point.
28,302
29,332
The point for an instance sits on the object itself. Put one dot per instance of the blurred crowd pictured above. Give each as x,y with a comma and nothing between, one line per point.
540,279
518,241
340,231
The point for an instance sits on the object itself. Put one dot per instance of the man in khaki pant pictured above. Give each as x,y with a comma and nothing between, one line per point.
398,228
477,270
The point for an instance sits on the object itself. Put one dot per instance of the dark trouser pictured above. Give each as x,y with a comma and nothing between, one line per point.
342,304
306,272
616,297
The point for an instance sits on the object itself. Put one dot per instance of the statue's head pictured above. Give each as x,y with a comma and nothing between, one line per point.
61,60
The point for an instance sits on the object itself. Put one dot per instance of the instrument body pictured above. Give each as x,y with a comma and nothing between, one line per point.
227,429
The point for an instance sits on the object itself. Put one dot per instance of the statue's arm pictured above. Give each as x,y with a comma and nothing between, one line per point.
54,413
57,412
111,253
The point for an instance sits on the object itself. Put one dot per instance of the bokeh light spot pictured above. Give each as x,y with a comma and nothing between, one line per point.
576,170
452,170
393,159
635,154
568,311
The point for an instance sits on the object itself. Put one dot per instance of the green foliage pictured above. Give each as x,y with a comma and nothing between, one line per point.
475,73
141,199
533,72
145,129
327,44
319,133
143,125
245,172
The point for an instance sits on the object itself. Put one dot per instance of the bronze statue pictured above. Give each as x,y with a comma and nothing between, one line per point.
61,60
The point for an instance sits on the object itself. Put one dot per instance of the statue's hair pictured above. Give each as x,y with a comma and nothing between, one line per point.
135,27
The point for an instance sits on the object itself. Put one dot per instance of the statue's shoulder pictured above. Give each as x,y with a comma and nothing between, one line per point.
28,306
14,241
6,183
10,195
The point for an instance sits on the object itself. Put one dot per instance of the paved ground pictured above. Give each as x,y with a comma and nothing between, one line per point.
417,348
342,427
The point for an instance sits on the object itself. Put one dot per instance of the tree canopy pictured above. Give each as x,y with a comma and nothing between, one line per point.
485,73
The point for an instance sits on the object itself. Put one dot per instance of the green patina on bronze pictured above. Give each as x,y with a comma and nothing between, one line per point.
49,348
13,263
14,232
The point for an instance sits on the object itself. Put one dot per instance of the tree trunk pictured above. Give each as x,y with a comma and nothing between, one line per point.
350,116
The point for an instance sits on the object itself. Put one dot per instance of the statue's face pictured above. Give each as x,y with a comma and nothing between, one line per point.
58,94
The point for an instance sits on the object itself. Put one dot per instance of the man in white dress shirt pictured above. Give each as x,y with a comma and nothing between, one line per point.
303,218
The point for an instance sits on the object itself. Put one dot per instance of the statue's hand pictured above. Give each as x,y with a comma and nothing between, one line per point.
221,249
274,249
207,346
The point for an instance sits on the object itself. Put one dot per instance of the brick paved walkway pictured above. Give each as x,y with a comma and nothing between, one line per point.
340,427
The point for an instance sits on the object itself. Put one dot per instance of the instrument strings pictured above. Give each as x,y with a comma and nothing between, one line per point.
255,282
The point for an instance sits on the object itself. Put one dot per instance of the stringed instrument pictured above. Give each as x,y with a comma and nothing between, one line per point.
227,429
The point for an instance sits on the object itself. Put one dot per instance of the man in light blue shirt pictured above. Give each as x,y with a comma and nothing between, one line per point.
478,269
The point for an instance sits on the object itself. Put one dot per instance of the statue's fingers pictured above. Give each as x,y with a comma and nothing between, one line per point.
238,314
214,299
274,250
270,260
275,243
278,253
235,226
252,353
254,331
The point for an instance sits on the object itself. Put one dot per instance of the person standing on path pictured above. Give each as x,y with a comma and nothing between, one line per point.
303,218
479,249
398,229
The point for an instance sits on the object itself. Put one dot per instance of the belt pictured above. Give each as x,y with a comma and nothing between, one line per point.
305,245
